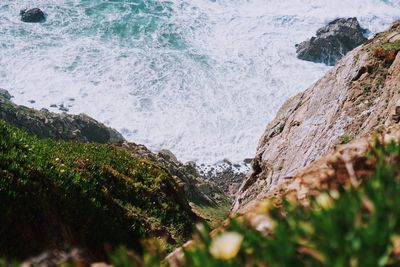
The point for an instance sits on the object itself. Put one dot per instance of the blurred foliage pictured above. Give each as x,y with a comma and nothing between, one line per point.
346,226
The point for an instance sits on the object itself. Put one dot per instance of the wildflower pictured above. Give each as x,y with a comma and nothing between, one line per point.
334,194
324,201
263,223
226,246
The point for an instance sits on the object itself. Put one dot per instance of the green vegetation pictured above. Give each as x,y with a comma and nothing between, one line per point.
344,139
215,215
387,52
395,46
55,193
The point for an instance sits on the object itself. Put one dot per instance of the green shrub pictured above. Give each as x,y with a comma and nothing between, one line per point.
395,46
387,52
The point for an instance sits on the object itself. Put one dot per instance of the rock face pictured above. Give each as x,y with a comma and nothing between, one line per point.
45,124
332,42
32,15
346,164
360,96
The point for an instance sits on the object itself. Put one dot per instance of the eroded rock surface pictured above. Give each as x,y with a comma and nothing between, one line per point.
360,96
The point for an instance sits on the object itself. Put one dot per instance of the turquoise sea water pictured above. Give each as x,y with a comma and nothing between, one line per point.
201,78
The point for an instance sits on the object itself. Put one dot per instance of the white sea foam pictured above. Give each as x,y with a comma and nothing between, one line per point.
201,78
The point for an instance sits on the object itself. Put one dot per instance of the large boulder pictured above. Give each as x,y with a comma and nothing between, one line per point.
332,42
32,15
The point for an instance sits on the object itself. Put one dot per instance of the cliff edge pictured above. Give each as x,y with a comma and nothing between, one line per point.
359,96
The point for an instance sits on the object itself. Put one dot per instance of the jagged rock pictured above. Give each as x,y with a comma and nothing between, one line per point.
358,97
45,124
5,94
168,155
32,15
332,42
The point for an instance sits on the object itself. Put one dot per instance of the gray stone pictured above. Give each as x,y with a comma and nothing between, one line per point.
248,160
168,155
332,42
63,108
5,94
32,15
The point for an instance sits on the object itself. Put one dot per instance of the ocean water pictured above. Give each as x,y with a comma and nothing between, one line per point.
199,77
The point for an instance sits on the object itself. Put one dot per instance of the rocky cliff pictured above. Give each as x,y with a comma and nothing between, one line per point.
45,124
359,96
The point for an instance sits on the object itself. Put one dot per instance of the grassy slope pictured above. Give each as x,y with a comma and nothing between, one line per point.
54,193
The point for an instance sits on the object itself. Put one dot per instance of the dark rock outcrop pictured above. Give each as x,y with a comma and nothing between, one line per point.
5,94
32,15
332,42
45,124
